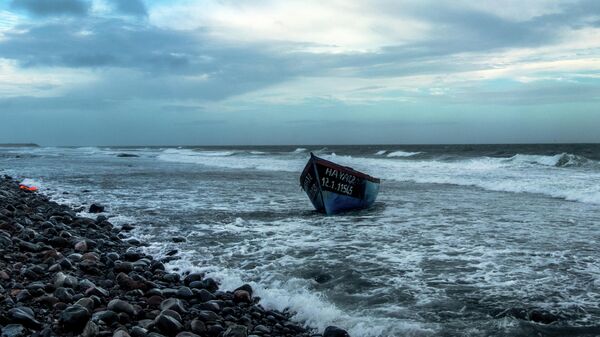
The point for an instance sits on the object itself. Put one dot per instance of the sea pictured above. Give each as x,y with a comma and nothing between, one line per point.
463,240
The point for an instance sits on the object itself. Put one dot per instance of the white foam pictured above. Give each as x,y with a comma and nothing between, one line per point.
535,159
300,150
495,174
379,153
227,160
308,307
519,174
401,154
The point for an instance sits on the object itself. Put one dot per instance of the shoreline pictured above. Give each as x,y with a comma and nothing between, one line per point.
63,275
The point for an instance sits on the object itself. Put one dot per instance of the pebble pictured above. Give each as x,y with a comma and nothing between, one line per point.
96,208
167,324
173,304
13,330
118,305
334,331
74,318
25,316
236,331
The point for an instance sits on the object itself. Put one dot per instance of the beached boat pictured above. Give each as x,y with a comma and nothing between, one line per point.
333,188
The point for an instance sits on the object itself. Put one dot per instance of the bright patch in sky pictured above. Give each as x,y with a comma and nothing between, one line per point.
204,71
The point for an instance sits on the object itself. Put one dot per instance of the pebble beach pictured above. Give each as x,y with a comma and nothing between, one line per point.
66,275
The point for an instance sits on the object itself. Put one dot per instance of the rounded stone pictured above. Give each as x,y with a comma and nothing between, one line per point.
74,318
118,305
334,331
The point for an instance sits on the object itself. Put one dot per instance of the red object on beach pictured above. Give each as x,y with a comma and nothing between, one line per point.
28,188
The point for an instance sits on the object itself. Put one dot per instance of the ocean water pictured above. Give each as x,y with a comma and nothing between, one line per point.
458,234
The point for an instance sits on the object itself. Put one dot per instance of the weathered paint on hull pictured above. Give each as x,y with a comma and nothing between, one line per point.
333,188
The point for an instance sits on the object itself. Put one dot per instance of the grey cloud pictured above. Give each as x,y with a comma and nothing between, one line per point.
130,7
153,62
53,7
142,61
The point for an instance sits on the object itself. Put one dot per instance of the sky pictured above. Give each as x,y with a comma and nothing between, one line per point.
183,72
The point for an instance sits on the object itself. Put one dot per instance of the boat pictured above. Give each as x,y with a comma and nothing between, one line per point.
334,188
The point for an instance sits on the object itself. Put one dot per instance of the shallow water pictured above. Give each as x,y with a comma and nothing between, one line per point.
458,234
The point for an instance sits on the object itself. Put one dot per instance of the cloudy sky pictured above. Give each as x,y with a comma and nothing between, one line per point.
108,72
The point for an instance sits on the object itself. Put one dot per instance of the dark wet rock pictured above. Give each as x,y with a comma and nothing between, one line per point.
208,316
134,242
132,256
246,287
127,155
13,330
28,246
212,305
178,239
97,291
81,246
193,277
208,284
23,295
96,208
87,303
261,329
333,331
154,301
186,334
173,304
65,264
74,318
113,256
90,330
64,294
25,316
118,305
204,295
167,324
197,326
123,267
47,300
107,316
129,283
236,331
215,330
121,333
542,316
138,331
184,292
64,280
127,227
242,296
172,313
59,242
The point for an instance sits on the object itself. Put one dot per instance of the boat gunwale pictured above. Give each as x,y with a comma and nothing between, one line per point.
333,165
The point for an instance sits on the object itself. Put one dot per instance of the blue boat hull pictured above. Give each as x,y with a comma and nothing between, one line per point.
333,188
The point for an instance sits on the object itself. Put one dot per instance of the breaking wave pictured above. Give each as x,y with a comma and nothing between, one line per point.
518,174
558,160
401,154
